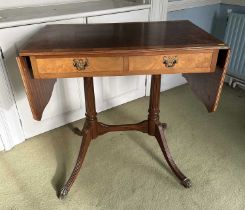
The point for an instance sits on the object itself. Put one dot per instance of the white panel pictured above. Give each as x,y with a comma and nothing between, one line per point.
37,3
42,14
112,91
25,3
158,10
171,80
65,104
10,128
168,81
132,16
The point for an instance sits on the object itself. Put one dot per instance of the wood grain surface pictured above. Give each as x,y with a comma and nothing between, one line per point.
208,86
38,91
118,38
56,66
188,61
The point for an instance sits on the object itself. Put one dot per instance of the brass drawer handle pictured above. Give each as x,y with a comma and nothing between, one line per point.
170,61
80,64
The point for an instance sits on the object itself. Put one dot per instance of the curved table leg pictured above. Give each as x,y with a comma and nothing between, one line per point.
83,149
159,134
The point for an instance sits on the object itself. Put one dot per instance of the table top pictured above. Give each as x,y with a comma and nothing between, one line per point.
65,39
177,47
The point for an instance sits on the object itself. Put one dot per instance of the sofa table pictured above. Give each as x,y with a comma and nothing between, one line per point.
65,51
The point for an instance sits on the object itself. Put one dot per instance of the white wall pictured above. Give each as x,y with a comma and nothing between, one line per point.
26,3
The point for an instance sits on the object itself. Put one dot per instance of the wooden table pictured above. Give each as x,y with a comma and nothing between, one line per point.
64,51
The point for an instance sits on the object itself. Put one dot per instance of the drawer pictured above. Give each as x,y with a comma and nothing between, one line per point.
44,67
175,62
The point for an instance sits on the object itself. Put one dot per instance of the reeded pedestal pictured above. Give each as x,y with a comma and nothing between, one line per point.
92,129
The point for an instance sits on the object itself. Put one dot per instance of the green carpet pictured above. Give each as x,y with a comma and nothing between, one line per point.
126,170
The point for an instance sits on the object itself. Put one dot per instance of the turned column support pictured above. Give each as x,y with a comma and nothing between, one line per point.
91,114
154,110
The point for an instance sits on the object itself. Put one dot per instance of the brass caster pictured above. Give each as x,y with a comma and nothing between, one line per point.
63,193
186,183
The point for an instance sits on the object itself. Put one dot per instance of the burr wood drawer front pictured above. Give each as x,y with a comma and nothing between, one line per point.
51,66
179,62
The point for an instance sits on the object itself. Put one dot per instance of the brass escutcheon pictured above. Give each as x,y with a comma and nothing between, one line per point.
170,61
80,64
